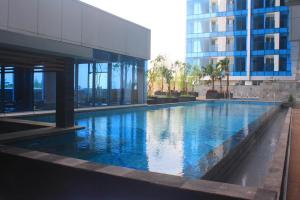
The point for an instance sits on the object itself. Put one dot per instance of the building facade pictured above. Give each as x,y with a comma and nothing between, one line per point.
104,56
253,34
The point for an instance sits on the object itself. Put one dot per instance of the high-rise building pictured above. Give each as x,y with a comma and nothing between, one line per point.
253,34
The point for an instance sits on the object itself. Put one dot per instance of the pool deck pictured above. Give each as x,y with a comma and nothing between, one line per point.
254,167
294,167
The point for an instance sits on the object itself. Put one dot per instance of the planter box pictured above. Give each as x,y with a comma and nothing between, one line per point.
185,99
162,100
212,94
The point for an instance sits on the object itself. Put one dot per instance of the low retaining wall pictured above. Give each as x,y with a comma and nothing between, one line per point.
36,175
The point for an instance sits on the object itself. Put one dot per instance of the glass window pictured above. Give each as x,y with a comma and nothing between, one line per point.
269,42
283,20
230,5
201,7
258,42
258,4
229,44
101,84
283,63
258,63
241,43
38,88
270,21
240,64
270,3
241,4
116,84
283,42
85,85
135,84
269,63
258,22
241,23
127,78
9,89
230,24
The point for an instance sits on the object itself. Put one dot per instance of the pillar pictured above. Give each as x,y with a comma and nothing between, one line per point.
65,95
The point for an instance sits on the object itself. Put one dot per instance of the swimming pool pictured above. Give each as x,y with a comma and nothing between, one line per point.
183,140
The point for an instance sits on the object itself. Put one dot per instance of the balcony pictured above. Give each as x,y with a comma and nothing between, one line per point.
213,48
230,47
230,27
269,46
214,28
230,7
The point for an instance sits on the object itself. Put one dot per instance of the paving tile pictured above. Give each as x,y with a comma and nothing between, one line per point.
69,162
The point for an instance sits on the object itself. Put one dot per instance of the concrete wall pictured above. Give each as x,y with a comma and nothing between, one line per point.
77,23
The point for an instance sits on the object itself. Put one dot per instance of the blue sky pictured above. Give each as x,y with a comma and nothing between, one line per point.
165,18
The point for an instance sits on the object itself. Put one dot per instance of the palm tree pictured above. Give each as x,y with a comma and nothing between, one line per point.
152,76
211,71
169,76
195,76
224,64
160,64
220,76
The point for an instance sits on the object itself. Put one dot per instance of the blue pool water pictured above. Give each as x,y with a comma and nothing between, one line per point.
184,140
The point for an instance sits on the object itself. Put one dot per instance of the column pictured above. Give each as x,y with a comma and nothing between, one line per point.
65,95
24,94
248,61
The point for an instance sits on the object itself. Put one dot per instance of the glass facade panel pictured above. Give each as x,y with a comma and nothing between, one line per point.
283,63
258,42
270,3
258,22
258,4
270,21
241,23
116,88
269,29
240,64
9,90
85,85
38,88
128,83
241,4
101,84
258,63
241,43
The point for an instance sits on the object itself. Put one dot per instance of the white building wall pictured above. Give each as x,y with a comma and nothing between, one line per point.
222,5
221,43
75,22
221,24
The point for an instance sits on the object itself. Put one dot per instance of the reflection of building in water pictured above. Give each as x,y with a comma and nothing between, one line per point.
165,148
118,138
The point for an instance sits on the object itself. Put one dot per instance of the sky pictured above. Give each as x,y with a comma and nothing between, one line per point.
165,18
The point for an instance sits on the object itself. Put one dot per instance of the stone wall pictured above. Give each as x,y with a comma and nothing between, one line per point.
268,91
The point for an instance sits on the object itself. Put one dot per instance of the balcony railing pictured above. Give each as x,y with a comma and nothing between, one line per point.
229,47
214,9
229,27
269,46
213,48
214,28
230,7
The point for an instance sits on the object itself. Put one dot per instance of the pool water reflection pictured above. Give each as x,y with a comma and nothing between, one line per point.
184,140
